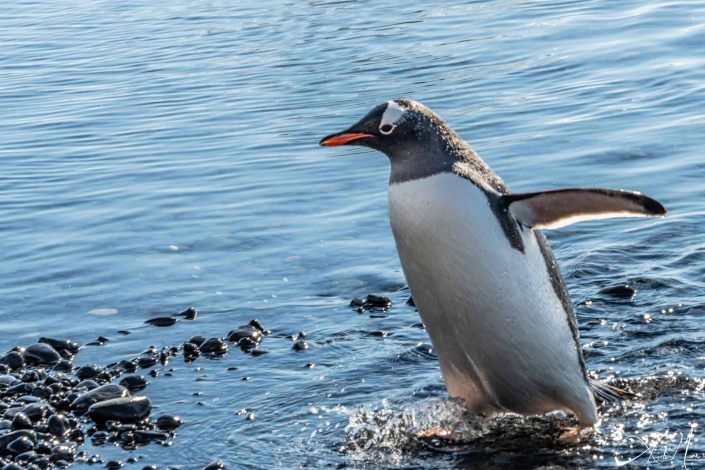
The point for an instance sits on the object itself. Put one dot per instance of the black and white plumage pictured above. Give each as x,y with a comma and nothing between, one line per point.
482,275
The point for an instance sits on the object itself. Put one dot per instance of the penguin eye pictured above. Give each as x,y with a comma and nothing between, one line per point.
386,129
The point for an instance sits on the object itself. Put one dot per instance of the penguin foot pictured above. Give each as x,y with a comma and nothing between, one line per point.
574,435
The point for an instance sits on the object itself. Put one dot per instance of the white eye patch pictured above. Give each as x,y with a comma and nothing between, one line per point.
390,117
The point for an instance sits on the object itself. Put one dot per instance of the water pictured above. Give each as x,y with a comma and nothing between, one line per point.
159,156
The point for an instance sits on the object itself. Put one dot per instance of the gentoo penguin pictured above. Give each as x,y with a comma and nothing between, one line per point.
480,271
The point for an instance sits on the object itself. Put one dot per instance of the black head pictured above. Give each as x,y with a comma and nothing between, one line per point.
416,140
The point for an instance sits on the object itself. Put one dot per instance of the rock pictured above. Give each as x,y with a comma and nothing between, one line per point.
254,322
215,465
21,421
144,436
189,314
100,394
114,465
5,439
62,453
410,302
162,321
246,336
197,340
13,360
63,366
124,410
168,422
87,385
134,383
214,346
621,291
147,360
88,371
8,381
371,302
20,445
301,345
61,344
191,352
36,411
58,425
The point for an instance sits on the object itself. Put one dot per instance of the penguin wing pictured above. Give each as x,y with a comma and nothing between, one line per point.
561,207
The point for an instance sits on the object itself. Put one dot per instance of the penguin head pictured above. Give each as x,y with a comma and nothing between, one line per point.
395,127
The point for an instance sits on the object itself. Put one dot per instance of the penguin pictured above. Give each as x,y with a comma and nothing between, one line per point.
480,270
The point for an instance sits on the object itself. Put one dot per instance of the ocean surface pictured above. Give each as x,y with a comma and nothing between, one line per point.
158,155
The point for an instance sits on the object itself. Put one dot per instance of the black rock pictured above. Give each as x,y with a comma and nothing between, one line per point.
114,465
63,366
214,346
245,335
88,371
5,439
147,360
21,421
36,411
168,422
58,425
61,344
134,383
144,435
189,314
301,345
20,445
215,465
13,466
254,322
162,321
13,360
20,389
30,376
5,424
100,394
62,453
124,410
197,340
8,381
622,291
191,352
87,385
258,351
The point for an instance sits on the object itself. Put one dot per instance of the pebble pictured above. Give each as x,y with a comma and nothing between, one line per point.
97,395
168,422
215,465
622,291
372,303
197,340
61,345
215,346
88,371
301,345
162,321
125,409
134,383
189,314
20,445
41,354
114,465
13,360
21,421
58,425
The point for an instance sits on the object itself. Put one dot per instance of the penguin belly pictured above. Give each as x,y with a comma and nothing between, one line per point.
501,333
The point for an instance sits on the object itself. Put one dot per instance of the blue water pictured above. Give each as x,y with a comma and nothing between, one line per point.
156,156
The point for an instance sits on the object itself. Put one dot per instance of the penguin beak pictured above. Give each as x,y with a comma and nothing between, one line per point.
342,138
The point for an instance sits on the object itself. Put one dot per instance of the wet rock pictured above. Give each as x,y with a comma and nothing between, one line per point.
13,466
124,410
61,345
215,465
134,383
5,424
197,340
168,422
8,381
36,411
189,314
63,366
162,321
371,303
21,421
58,425
246,336
215,346
301,345
5,439
20,389
20,445
144,435
191,352
258,351
13,360
30,376
41,354
147,360
114,465
254,322
100,394
62,453
621,291
88,371
87,385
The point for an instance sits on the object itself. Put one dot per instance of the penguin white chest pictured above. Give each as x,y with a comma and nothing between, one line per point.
502,336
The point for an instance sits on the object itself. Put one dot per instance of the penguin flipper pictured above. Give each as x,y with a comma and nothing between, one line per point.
608,393
561,207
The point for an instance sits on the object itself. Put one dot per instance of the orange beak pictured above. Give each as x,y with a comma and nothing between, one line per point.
342,139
